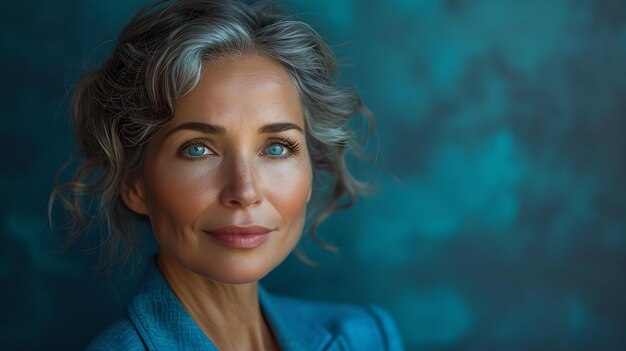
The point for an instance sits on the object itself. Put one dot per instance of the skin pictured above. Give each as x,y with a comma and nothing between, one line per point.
237,181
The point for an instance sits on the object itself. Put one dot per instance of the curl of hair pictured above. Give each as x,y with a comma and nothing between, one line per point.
158,59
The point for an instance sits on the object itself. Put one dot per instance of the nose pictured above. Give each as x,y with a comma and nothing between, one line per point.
240,188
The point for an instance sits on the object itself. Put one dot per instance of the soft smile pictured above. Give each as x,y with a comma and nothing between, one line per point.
240,237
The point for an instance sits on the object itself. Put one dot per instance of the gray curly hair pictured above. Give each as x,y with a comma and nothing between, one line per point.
158,59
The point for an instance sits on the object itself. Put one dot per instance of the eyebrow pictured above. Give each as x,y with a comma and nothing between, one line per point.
201,127
219,130
279,127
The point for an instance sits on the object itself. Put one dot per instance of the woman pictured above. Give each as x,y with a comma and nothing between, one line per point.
211,119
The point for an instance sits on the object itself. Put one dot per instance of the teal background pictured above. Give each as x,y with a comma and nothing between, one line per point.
500,217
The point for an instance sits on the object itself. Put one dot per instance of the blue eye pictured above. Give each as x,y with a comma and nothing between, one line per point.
275,150
197,150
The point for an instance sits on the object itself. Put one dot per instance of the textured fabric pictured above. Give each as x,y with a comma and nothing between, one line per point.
156,320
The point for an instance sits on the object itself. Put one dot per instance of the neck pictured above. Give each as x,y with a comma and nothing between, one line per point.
228,314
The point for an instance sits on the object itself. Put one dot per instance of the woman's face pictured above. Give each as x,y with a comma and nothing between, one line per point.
233,155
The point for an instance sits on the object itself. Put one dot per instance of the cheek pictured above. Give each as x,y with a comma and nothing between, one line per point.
287,189
179,193
176,194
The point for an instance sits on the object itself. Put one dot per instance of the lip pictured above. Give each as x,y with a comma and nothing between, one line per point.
238,237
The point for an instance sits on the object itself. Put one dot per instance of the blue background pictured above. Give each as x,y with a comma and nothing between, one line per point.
500,217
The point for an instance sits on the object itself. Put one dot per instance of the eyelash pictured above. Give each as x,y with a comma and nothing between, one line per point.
292,146
190,143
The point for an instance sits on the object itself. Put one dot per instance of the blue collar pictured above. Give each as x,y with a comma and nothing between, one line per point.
164,324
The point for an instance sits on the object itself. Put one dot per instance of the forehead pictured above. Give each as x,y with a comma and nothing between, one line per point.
248,89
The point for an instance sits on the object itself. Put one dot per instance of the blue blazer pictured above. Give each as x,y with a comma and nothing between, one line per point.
156,320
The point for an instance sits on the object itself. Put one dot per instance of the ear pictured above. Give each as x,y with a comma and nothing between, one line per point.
133,193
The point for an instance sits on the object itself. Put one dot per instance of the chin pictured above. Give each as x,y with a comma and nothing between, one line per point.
237,275
232,271
229,266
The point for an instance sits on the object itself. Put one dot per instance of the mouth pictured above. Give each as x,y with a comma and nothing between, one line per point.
240,237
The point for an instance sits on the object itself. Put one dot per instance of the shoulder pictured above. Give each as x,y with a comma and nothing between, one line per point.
121,335
367,327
